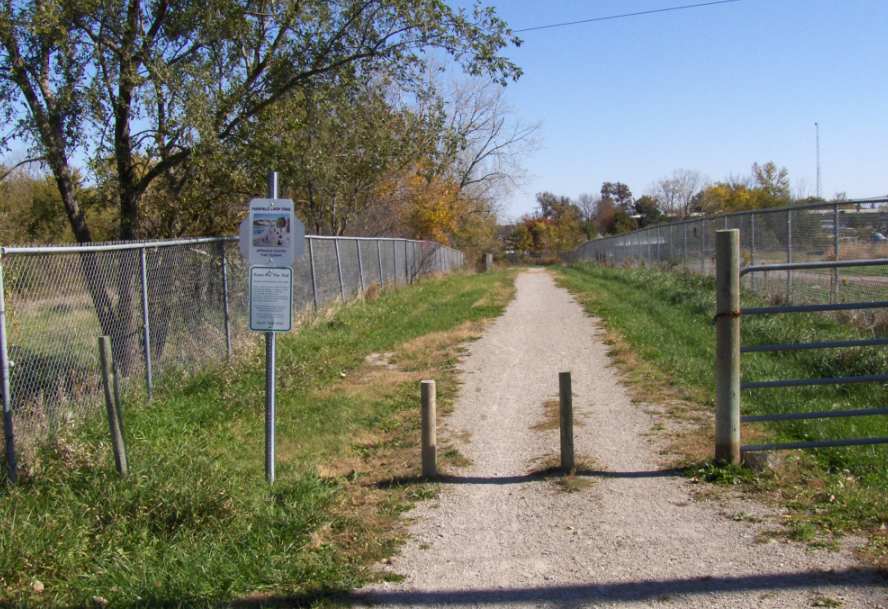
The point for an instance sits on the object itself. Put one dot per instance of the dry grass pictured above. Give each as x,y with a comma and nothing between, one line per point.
368,511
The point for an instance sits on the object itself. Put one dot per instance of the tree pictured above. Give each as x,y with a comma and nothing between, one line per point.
483,145
676,193
153,85
157,80
649,209
619,193
588,206
772,183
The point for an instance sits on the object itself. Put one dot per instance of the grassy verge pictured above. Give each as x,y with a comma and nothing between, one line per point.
663,322
195,525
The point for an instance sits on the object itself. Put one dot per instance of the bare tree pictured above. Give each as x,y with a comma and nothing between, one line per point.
676,193
588,205
486,144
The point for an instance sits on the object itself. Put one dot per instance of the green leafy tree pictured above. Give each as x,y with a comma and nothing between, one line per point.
619,193
649,209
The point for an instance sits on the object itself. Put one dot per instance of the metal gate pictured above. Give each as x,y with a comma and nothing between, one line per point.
729,350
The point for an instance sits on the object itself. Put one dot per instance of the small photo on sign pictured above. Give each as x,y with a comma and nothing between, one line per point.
271,230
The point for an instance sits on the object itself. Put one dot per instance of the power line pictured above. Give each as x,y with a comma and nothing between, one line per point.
625,15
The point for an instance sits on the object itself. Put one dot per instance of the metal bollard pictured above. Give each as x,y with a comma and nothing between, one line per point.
566,421
429,429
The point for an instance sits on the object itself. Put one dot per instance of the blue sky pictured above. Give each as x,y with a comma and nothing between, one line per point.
711,89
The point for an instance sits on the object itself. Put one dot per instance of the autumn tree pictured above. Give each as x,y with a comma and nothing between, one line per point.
152,82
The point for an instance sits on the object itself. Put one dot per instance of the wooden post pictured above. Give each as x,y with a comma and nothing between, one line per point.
727,347
566,422
429,429
111,405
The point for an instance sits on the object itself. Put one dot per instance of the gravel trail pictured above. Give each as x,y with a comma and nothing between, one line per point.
636,537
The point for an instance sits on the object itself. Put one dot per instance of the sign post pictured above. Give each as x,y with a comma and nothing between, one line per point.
270,239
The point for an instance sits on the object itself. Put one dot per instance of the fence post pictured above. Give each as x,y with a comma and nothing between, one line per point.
394,264
727,346
752,248
111,405
685,247
146,323
360,266
659,237
339,269
314,278
406,265
834,292
8,432
565,420
379,261
703,247
429,429
789,255
225,311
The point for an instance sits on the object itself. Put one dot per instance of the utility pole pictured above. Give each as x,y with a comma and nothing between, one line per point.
817,133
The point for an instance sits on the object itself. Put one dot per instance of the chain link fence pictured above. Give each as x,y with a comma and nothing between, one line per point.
168,306
846,230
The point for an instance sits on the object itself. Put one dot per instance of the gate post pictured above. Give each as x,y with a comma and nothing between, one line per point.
727,346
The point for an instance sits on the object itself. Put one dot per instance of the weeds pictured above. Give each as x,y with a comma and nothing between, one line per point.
195,524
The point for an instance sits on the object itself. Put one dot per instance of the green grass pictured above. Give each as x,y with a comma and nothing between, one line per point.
195,524
666,318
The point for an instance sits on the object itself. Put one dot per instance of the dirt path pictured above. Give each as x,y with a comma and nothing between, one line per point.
635,538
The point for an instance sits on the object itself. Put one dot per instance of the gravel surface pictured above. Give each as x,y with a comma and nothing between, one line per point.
635,537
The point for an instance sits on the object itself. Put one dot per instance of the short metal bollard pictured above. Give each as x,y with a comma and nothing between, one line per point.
566,421
429,429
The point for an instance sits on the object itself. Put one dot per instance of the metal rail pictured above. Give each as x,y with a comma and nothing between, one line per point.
827,344
834,380
107,247
749,448
843,306
820,264
823,414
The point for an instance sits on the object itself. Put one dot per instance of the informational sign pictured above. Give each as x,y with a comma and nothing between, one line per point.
271,298
271,235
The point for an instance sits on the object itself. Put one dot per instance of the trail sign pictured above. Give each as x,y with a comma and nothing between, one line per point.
271,298
271,235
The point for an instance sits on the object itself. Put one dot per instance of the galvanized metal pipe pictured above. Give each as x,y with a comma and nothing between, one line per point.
379,262
146,324
827,380
824,264
789,255
819,308
8,430
339,270
225,309
823,414
827,344
815,444
360,266
270,356
834,293
314,279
